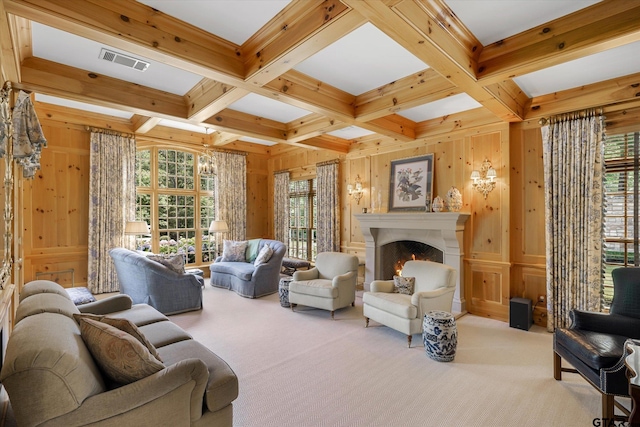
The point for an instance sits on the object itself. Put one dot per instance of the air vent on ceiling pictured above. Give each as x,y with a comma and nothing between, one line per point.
127,61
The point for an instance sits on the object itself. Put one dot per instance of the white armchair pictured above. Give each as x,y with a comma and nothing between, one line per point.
330,285
435,285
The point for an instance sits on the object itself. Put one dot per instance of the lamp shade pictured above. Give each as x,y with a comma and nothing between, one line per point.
133,228
218,226
475,175
491,173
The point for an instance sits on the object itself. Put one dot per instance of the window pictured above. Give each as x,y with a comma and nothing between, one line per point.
302,219
621,182
178,204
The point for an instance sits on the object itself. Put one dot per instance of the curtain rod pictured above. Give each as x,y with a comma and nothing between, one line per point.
110,132
571,115
281,171
328,162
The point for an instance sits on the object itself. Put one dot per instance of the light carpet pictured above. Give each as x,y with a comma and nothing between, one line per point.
303,369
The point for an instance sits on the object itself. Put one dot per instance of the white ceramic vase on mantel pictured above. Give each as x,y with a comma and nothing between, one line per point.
454,200
438,204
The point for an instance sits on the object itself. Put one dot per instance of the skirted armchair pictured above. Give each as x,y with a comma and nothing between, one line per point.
330,285
594,344
435,284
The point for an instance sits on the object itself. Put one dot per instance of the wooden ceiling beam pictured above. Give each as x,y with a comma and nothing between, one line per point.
393,126
55,79
245,124
143,124
411,91
415,27
311,126
618,90
209,97
9,48
143,31
604,25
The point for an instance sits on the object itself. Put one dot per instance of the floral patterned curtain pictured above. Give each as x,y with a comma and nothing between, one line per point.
28,139
573,174
281,207
328,201
112,197
231,192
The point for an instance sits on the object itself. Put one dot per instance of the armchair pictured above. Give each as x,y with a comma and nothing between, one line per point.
435,284
149,282
330,285
594,344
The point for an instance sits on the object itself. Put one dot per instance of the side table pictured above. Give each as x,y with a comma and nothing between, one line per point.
440,335
632,348
283,290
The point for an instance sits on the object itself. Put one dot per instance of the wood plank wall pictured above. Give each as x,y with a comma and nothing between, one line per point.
504,241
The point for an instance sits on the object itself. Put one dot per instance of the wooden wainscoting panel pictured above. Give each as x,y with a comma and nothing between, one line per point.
486,289
57,266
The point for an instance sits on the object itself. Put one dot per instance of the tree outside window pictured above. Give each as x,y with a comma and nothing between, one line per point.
302,219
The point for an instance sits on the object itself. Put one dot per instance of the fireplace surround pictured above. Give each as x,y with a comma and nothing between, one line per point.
442,230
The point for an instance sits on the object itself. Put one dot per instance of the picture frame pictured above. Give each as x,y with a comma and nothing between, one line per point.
411,183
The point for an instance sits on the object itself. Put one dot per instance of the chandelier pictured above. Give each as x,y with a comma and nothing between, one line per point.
206,165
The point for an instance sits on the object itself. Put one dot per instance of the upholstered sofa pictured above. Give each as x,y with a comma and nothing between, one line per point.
52,377
150,282
245,278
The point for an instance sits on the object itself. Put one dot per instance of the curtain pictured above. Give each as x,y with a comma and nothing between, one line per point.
328,201
231,190
573,174
28,139
281,207
112,197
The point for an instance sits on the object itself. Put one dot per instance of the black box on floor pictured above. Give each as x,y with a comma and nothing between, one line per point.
520,313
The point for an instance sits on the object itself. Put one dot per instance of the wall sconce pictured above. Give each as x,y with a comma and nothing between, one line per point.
356,191
483,180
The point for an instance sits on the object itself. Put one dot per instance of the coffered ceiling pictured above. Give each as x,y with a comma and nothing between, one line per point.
323,74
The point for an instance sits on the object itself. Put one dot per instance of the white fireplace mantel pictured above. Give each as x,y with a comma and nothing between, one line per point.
442,230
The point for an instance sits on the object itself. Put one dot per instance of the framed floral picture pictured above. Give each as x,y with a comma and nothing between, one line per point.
411,184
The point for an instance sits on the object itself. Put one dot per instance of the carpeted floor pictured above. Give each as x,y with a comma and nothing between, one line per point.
303,369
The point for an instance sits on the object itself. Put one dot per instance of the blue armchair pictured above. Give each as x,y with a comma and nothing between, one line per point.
149,282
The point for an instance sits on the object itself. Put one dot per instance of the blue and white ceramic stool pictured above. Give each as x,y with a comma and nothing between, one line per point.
440,335
283,291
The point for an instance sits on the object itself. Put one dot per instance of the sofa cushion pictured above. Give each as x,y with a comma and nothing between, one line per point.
173,262
263,256
140,315
316,287
242,270
125,325
46,303
222,387
234,251
36,287
394,303
121,357
595,349
164,333
404,285
253,247
80,295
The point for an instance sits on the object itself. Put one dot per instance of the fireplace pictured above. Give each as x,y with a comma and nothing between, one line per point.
395,254
442,231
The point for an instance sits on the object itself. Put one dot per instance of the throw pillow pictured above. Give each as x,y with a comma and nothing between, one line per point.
404,285
172,262
252,250
122,358
264,255
234,251
124,325
80,295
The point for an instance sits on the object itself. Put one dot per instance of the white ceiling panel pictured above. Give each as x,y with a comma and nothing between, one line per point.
451,105
268,108
493,20
583,71
256,140
233,20
65,48
350,132
362,60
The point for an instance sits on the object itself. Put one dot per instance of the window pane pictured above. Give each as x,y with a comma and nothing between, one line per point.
175,169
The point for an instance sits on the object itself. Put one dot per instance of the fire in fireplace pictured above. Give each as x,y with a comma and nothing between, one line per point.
398,252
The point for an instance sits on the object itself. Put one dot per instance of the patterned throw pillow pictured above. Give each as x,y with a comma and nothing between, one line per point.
172,262
125,325
234,251
120,356
264,255
404,285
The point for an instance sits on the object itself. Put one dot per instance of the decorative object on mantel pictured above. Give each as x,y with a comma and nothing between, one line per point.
411,183
454,199
483,180
438,204
356,190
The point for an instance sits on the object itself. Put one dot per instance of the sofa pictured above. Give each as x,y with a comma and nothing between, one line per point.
150,282
53,376
247,279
